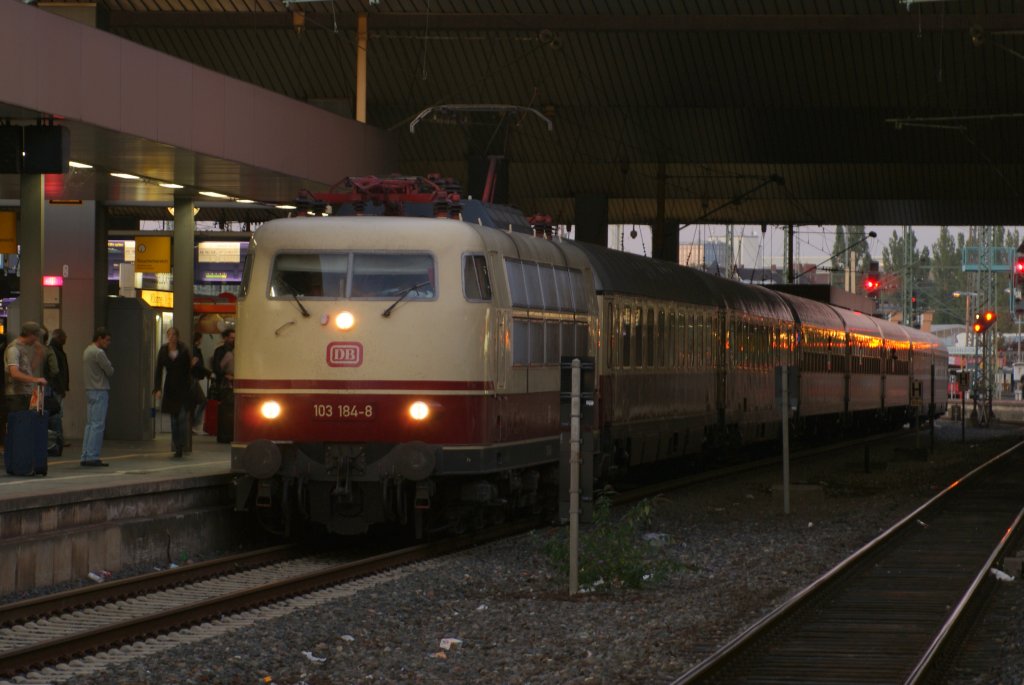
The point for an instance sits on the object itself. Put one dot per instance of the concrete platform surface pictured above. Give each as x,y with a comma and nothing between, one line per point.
133,466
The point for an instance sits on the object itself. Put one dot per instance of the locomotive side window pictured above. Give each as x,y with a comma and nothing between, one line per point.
392,275
547,287
520,342
553,344
582,339
536,343
564,285
579,293
309,275
531,276
567,341
247,271
516,283
476,282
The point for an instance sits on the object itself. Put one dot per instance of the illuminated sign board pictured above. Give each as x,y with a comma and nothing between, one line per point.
160,299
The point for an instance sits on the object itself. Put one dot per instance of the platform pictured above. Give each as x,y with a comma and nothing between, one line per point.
131,463
145,508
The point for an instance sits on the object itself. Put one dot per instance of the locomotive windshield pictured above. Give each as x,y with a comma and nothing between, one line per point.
336,275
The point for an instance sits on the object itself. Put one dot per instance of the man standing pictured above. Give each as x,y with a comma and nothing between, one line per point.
62,383
96,370
19,358
223,366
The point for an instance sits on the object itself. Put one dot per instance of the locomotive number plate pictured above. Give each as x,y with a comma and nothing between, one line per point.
344,412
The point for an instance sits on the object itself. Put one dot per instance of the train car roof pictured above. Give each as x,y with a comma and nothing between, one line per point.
630,274
919,339
858,322
813,312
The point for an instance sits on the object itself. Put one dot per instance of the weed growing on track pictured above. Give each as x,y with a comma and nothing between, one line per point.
613,551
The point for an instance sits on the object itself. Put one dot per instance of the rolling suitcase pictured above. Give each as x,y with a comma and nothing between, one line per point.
225,422
210,417
25,447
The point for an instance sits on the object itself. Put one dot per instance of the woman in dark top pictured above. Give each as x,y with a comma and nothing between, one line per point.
176,360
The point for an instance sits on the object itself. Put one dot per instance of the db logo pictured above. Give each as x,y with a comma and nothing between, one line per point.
345,354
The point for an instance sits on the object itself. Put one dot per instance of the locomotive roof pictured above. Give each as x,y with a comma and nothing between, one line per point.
622,272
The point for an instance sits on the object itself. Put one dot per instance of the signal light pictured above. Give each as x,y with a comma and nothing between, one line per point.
983,321
872,281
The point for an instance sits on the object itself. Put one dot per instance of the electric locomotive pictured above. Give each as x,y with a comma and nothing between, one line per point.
406,370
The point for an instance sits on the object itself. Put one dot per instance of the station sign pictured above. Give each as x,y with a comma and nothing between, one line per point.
153,254
8,233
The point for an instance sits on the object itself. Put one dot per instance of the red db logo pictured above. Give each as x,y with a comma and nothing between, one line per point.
345,354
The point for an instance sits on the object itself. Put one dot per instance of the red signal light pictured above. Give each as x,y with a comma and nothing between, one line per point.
1018,266
870,284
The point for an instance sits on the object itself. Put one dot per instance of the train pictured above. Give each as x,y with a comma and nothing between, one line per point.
407,370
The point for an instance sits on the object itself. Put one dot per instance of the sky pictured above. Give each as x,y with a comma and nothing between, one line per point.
812,244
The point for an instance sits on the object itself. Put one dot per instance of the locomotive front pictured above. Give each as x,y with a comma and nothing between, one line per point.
362,352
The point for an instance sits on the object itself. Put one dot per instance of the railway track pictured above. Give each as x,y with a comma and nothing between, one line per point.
895,610
51,630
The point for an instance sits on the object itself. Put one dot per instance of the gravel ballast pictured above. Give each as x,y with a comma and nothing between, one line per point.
736,557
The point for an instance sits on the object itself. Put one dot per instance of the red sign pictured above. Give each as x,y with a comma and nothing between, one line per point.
345,354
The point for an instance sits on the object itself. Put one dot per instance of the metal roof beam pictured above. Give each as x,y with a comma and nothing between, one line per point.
765,23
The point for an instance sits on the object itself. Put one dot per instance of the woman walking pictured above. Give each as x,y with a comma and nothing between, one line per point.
176,360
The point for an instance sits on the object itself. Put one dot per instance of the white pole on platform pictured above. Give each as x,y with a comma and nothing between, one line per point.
785,439
574,481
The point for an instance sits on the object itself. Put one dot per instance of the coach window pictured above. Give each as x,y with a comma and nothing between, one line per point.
476,283
625,327
638,337
582,338
670,339
609,333
309,275
649,323
662,337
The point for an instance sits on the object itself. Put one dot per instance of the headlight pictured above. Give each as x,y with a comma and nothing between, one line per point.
419,410
270,409
345,321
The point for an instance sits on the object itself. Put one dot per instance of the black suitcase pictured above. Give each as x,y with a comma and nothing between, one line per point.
25,446
225,421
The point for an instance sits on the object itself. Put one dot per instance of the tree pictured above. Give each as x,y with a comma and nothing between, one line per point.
839,257
947,276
